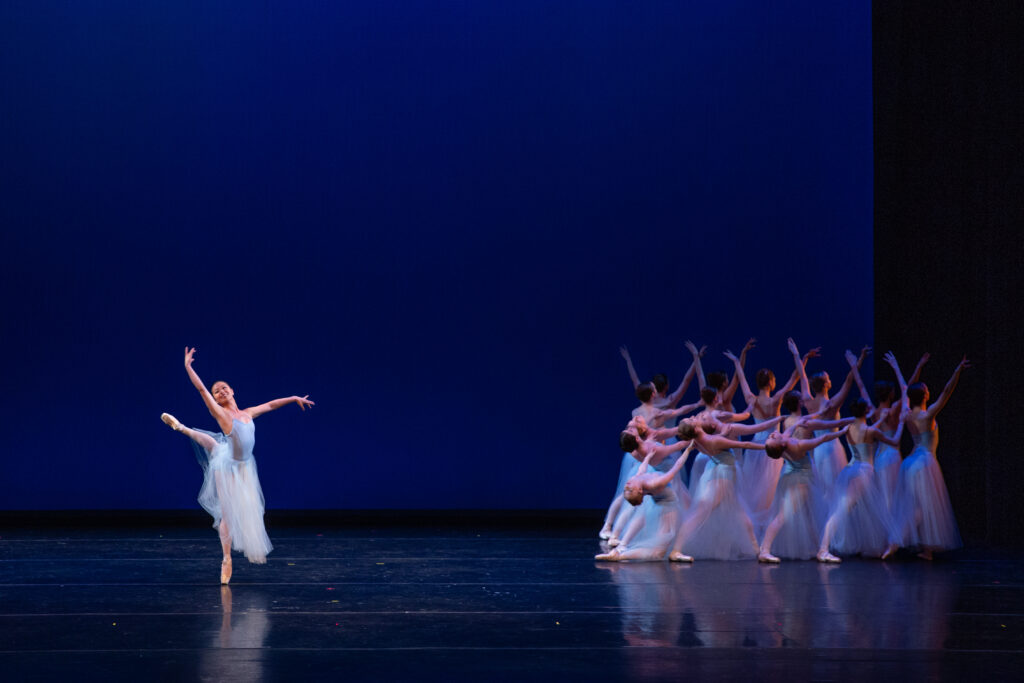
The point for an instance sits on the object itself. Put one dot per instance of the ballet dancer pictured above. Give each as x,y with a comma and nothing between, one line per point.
231,490
923,511
798,505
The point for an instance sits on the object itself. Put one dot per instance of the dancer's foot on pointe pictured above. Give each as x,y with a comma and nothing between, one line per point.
605,533
765,556
889,551
171,421
225,570
827,557
677,556
610,556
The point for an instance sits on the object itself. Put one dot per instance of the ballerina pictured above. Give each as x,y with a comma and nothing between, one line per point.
761,473
887,457
923,511
830,459
650,533
718,525
231,490
860,521
637,440
798,505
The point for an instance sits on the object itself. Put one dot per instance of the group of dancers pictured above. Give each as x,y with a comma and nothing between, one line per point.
789,491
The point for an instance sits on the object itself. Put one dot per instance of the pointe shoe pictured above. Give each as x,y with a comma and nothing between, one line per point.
828,558
677,556
765,556
889,551
171,422
225,570
610,556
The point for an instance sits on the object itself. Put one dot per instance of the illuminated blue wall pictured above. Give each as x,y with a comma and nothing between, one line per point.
439,219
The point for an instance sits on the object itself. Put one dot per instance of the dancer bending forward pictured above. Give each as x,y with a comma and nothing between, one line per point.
231,488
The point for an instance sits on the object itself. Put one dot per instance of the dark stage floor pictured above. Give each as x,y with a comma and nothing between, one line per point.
486,604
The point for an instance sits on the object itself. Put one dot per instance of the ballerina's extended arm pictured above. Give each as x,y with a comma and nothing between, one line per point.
730,390
218,413
664,480
302,401
629,366
947,391
701,382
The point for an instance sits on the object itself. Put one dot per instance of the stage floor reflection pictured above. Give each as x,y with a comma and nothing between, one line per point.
462,603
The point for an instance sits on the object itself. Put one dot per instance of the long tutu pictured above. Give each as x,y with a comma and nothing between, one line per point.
231,491
829,460
660,517
725,533
862,523
923,511
800,498
760,476
887,470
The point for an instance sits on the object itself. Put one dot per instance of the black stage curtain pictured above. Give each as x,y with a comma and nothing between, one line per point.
949,181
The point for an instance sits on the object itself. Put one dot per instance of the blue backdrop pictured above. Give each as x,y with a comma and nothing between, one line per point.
439,219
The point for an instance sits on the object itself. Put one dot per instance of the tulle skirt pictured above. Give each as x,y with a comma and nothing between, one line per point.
829,460
660,519
627,469
923,511
887,470
760,476
861,520
800,499
231,493
725,534
700,463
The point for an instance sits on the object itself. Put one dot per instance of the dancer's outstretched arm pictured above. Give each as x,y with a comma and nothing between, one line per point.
676,395
730,390
836,402
825,424
738,373
798,365
696,361
794,378
916,376
218,413
855,369
890,358
947,391
629,366
681,410
744,430
256,411
665,479
721,443
808,444
878,435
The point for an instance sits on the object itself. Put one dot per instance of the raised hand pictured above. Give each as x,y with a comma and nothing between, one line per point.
813,353
863,354
624,351
964,364
189,356
304,401
703,350
890,358
791,345
730,355
751,343
850,358
692,348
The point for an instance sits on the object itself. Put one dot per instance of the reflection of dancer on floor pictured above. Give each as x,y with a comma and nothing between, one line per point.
231,488
860,521
657,485
923,510
798,502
